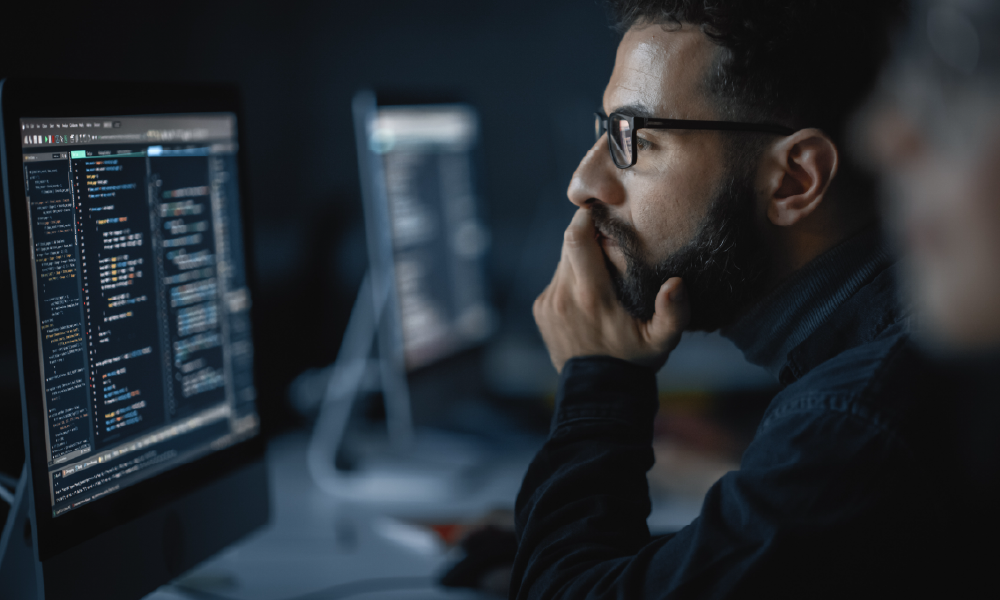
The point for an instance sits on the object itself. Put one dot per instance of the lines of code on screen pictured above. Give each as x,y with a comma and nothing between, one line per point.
142,304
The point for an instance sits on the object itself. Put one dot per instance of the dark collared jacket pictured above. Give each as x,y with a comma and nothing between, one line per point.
831,496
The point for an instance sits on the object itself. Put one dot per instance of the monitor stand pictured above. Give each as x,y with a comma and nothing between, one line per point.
408,470
18,565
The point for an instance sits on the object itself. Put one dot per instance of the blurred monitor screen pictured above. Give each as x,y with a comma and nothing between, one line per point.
425,157
141,296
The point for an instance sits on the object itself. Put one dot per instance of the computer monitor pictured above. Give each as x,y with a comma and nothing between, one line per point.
424,300
425,231
126,228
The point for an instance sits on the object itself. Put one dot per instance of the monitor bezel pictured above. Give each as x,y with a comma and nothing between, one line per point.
24,98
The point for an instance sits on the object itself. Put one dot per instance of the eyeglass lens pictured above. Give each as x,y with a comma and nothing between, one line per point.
621,141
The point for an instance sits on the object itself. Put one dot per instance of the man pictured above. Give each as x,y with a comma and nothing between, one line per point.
935,132
758,226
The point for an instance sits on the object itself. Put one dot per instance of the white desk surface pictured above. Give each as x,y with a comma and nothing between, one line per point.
314,542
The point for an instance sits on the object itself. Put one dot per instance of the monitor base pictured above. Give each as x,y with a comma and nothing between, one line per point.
436,467
408,469
18,566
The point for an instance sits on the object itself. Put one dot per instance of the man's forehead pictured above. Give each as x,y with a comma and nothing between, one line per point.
662,70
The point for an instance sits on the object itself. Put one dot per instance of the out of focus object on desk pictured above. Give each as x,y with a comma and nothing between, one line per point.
681,470
699,436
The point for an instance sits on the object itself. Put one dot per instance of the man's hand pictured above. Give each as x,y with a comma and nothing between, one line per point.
579,315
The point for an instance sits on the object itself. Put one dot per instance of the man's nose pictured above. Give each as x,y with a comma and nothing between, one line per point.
596,178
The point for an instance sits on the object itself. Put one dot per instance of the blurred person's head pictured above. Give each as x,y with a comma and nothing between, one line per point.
732,212
935,131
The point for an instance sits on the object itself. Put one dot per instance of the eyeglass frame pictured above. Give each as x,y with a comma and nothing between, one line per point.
637,123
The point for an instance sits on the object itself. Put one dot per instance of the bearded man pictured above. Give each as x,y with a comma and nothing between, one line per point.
718,196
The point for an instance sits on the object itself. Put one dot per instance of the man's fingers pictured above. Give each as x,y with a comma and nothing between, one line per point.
673,311
583,253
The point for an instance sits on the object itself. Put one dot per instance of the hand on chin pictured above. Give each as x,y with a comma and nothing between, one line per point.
579,315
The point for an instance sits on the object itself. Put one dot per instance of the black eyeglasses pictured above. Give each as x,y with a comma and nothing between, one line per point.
622,140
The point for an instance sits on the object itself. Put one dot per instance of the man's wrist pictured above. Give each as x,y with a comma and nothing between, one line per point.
606,387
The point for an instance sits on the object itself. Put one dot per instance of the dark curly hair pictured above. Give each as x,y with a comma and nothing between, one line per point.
801,63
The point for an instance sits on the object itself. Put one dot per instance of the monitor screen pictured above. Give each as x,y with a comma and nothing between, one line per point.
140,294
438,240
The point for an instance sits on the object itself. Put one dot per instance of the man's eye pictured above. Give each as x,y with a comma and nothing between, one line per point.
642,143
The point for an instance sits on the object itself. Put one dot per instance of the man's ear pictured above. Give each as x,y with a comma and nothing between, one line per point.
798,172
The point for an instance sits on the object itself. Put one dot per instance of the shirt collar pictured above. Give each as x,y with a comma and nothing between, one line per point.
786,317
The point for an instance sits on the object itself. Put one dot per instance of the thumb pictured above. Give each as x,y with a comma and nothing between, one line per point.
673,312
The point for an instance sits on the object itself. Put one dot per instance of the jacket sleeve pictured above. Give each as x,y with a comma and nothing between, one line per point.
583,504
810,503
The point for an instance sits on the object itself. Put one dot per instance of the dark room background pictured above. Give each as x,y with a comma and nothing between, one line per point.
535,70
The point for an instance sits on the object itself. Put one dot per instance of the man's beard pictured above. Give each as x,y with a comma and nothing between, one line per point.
724,267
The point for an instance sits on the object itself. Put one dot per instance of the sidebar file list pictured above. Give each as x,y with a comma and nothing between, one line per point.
119,295
61,316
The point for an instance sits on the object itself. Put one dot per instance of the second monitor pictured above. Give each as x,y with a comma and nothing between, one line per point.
421,210
425,300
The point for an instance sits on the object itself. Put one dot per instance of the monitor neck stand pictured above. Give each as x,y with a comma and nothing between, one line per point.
418,472
18,564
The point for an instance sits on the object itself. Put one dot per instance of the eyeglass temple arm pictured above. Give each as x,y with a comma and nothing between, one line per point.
652,123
